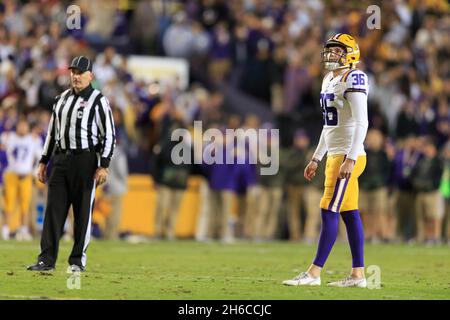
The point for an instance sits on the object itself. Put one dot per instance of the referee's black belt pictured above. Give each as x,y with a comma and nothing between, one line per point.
73,151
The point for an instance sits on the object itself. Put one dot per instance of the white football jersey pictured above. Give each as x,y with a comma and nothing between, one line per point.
21,152
339,124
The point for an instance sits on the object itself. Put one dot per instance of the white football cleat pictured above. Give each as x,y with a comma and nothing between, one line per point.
303,279
27,236
5,233
18,236
349,282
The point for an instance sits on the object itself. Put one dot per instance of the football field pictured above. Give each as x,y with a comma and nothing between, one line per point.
190,270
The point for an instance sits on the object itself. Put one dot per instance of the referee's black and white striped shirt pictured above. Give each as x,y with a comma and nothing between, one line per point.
81,121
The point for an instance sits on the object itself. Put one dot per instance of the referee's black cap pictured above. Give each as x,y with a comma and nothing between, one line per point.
81,63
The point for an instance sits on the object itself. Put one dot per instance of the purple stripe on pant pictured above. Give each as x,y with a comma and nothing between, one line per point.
336,188
342,195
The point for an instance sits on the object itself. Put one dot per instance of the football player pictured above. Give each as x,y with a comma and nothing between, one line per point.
23,151
343,100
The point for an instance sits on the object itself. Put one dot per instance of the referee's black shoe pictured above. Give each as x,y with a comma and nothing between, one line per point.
40,266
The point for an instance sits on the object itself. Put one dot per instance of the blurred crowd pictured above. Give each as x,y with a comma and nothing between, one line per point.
267,50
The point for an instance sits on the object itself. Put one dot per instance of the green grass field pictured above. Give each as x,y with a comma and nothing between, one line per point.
190,270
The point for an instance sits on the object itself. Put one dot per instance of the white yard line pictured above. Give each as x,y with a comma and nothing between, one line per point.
12,296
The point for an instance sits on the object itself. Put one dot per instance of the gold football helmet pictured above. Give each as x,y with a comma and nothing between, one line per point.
348,58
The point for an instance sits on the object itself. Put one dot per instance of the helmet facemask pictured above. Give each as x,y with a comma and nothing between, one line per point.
334,56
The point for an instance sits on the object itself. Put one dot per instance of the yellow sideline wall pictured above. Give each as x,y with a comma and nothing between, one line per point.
139,208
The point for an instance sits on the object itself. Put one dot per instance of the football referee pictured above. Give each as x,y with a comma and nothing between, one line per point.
81,138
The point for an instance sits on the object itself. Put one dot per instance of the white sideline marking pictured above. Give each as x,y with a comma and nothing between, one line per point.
39,297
